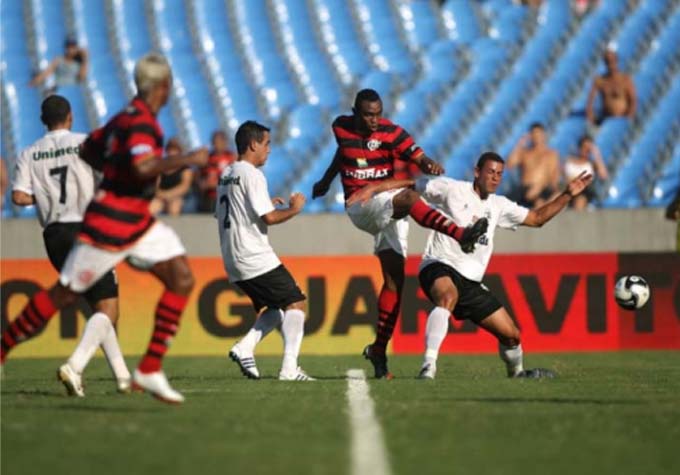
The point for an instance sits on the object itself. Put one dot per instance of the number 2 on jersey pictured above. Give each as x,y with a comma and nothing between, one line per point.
61,171
226,223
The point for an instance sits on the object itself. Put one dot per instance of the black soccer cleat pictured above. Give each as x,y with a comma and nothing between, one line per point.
379,362
471,235
535,373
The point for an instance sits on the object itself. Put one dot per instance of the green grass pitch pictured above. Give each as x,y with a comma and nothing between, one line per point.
606,413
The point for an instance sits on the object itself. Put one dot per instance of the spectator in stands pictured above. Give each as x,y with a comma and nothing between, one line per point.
581,7
69,69
4,181
589,159
220,157
616,89
173,186
539,167
532,3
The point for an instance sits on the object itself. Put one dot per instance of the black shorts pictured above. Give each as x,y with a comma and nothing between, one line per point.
59,238
475,301
273,289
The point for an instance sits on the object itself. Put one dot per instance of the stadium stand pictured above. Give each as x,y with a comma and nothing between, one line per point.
461,76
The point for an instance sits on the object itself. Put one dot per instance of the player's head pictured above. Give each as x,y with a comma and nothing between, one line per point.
218,140
253,142
537,133
173,147
55,113
611,60
153,79
488,173
367,110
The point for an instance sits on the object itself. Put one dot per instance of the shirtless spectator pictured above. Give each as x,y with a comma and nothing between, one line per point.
616,90
173,186
539,167
209,175
589,159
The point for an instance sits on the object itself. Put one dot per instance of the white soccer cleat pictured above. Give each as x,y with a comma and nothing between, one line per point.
124,385
71,380
428,371
157,385
297,375
245,362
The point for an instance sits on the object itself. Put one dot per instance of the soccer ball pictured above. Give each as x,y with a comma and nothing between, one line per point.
631,292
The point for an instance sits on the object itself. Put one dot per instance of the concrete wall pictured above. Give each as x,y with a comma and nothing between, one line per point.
641,230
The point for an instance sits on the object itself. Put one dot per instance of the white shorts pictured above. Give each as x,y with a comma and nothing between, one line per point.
85,263
375,218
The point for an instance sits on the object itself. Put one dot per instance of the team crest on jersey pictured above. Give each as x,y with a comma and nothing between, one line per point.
373,145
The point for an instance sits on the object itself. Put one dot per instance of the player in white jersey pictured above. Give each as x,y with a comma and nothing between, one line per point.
50,175
452,279
244,209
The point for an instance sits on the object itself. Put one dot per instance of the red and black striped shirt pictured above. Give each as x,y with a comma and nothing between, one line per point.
119,213
376,157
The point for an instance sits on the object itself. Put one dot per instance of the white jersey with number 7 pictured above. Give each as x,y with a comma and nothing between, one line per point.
62,183
242,198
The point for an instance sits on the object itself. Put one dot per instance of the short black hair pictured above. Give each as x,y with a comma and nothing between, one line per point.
369,95
584,138
247,132
537,125
218,133
54,110
488,157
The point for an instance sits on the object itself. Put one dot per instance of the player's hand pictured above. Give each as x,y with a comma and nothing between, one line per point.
320,189
429,166
297,201
578,184
362,195
199,157
278,201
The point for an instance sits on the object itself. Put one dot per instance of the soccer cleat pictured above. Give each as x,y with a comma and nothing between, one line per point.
124,385
157,385
379,362
428,371
298,375
471,235
71,380
245,363
535,373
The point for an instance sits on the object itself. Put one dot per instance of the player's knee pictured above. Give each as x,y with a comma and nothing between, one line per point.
447,301
183,280
512,338
297,306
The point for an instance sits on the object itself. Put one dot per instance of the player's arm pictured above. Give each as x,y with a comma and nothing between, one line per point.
150,166
322,186
427,165
590,114
539,216
277,216
22,186
406,149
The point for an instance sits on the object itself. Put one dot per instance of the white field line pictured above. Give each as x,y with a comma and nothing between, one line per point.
369,456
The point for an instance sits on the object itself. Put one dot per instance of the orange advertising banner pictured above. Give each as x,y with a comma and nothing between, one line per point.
562,302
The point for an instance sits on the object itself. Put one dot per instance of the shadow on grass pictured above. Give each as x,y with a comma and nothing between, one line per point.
548,400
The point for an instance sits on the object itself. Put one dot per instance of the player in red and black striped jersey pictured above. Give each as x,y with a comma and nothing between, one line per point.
118,225
372,150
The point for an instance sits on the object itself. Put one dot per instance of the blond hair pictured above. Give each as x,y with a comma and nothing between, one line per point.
151,70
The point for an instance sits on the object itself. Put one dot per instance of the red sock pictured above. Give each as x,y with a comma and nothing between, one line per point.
388,311
168,312
30,321
431,218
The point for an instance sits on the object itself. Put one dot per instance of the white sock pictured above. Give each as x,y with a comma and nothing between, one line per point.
293,329
435,331
114,356
269,320
95,331
512,356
